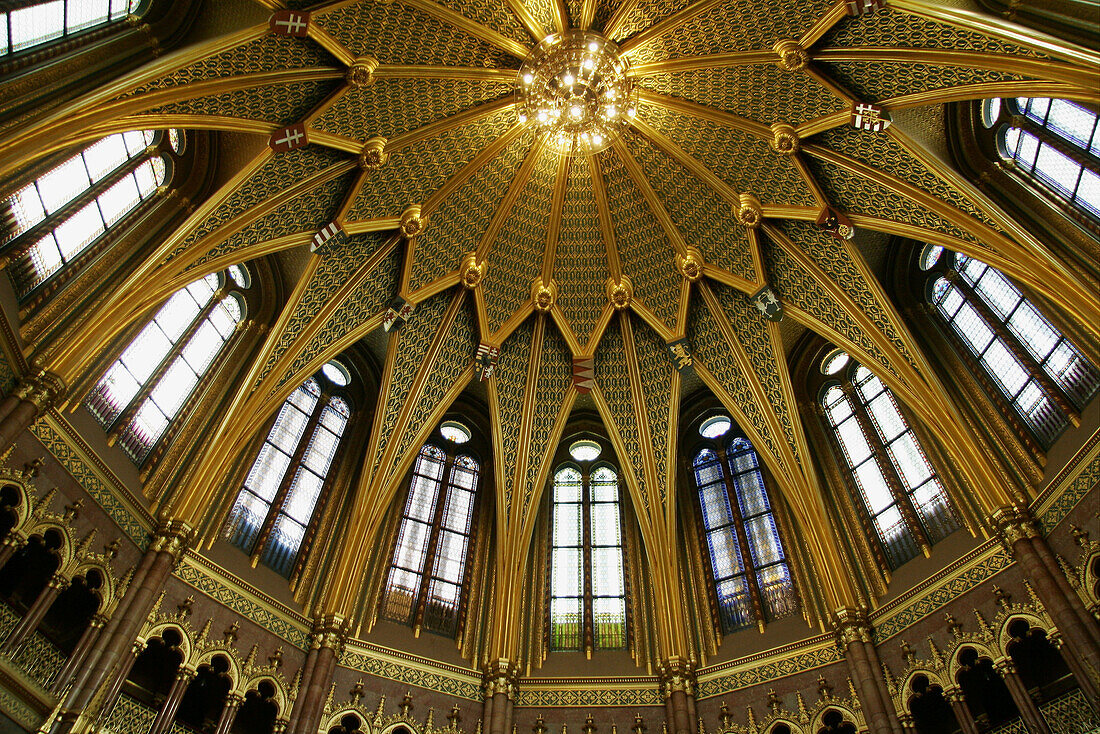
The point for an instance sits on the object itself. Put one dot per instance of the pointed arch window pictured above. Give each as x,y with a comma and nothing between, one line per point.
428,566
751,575
906,504
145,388
282,490
1054,144
1040,373
37,23
62,212
587,570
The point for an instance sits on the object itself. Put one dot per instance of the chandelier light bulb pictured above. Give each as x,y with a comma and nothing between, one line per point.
574,88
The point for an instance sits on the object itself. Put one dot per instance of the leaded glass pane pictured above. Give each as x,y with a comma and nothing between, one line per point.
609,623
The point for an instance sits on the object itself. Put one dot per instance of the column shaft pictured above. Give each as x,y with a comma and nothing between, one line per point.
963,717
167,713
29,623
1029,712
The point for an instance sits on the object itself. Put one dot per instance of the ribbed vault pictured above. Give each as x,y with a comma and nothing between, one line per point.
743,138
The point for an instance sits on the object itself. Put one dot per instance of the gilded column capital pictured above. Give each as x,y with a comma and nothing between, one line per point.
42,390
1013,524
172,537
331,631
852,625
676,674
500,676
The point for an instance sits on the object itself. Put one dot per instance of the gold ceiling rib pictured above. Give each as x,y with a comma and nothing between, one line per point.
329,43
1082,77
667,25
821,124
349,198
162,120
824,24
560,14
607,227
515,188
436,71
703,112
652,320
470,27
696,63
487,154
618,17
988,90
989,25
553,227
527,20
588,13
811,182
363,226
336,142
829,83
755,250
438,127
696,168
637,175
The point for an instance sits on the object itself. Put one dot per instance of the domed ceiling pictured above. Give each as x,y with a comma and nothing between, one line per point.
718,220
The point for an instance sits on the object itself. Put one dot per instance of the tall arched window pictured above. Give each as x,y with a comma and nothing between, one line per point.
50,20
425,580
1054,143
63,211
737,515
145,388
280,494
1039,372
587,573
907,506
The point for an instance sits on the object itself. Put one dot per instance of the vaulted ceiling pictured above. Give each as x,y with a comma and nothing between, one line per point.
744,136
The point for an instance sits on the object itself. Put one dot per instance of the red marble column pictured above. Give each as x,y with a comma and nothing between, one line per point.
677,679
855,638
329,634
167,713
80,653
229,713
963,717
106,664
32,396
499,686
1029,712
30,621
13,541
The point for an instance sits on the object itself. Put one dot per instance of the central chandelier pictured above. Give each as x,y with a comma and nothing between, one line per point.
575,88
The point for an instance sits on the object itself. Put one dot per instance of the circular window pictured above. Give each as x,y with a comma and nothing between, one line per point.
585,450
835,362
929,256
336,373
991,110
175,139
240,276
715,426
455,432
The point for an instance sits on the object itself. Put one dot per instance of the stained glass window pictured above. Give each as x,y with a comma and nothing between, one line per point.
898,486
1023,354
424,585
758,581
144,389
1056,144
587,578
69,207
51,20
281,492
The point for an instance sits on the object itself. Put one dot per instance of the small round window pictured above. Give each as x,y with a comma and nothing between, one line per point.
240,276
835,362
991,110
929,256
715,426
584,450
455,432
336,373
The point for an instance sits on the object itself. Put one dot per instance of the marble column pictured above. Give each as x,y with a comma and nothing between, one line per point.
229,713
498,684
80,653
855,637
32,396
1029,712
105,664
677,681
963,717
167,713
30,621
326,643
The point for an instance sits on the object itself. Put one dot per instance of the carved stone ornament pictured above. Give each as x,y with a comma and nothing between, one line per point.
361,73
411,222
690,264
374,154
472,271
544,296
676,674
500,676
851,625
792,57
620,292
784,138
172,537
42,390
750,213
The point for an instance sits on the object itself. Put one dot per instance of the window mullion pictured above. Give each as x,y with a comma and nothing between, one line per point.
1080,156
295,464
444,495
21,244
748,563
1034,369
131,409
889,471
589,631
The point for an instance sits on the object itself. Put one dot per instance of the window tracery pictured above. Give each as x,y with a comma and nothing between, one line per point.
1040,373
905,502
51,20
427,572
1054,144
587,604
749,566
275,505
63,211
145,388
